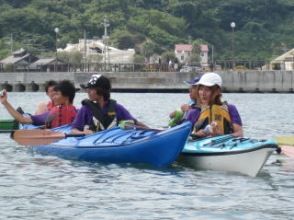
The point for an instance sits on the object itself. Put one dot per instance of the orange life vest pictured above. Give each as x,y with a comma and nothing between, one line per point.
217,113
63,114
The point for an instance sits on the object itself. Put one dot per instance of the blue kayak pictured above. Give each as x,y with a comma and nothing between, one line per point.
116,145
228,153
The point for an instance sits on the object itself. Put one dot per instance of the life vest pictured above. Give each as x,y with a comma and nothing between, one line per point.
219,114
62,115
102,120
50,105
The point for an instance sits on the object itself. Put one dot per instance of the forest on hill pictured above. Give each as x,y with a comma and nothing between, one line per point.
264,28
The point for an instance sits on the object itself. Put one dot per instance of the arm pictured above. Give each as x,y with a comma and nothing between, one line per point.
185,107
237,130
141,124
15,114
236,121
81,123
124,114
85,131
42,107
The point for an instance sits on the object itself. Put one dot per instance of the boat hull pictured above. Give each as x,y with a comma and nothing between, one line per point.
245,157
7,125
156,148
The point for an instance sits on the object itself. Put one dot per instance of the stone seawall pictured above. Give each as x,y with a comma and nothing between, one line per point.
246,81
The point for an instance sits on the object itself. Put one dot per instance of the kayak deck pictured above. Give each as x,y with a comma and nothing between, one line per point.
116,145
226,145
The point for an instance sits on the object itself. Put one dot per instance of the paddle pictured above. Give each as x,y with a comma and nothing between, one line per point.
39,136
129,124
285,140
286,143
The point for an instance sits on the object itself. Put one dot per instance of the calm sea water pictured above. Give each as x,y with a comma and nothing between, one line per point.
38,187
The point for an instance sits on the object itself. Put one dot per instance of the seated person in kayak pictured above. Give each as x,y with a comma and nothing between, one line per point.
62,113
176,117
99,112
50,92
211,116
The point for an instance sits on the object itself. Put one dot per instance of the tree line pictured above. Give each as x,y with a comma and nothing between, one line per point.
264,28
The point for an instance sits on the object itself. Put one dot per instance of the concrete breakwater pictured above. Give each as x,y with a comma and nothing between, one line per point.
233,81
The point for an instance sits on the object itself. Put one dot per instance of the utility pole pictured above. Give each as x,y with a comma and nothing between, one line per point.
56,30
212,59
85,49
105,41
11,43
233,25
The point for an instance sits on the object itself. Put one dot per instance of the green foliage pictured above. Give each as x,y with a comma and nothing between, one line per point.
149,48
123,39
167,56
139,59
73,58
264,28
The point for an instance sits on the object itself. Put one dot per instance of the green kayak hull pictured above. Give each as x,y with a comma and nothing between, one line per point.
6,125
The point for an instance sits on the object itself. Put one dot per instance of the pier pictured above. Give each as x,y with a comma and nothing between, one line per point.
233,81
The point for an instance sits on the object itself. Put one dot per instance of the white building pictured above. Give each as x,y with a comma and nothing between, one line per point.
283,62
204,55
93,48
183,53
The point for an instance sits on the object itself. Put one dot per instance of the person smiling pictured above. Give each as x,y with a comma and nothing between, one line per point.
50,92
211,116
62,113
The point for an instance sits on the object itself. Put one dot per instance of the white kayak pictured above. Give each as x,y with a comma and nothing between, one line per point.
228,153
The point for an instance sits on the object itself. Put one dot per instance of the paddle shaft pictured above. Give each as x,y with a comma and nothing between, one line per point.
132,126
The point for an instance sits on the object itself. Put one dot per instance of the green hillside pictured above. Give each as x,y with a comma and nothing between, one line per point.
264,28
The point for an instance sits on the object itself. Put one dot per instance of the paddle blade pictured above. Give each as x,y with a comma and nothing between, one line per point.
36,137
285,140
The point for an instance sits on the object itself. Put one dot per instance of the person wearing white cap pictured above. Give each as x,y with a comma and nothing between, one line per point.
211,116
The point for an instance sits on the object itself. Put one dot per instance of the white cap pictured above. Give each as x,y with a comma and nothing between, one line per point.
210,79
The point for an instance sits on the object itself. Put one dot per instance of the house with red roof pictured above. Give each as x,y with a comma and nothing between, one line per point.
183,53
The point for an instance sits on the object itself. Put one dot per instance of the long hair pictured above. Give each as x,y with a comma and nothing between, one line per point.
216,95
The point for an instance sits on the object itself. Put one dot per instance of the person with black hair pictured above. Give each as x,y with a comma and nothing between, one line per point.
62,113
100,112
211,116
50,92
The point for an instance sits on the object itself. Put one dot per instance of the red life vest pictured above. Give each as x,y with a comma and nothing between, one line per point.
50,105
63,114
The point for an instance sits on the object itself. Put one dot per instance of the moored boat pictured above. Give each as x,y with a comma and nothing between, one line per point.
228,153
147,146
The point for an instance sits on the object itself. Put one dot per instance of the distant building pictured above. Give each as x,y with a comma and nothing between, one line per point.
183,53
19,61
204,55
48,65
283,62
92,48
